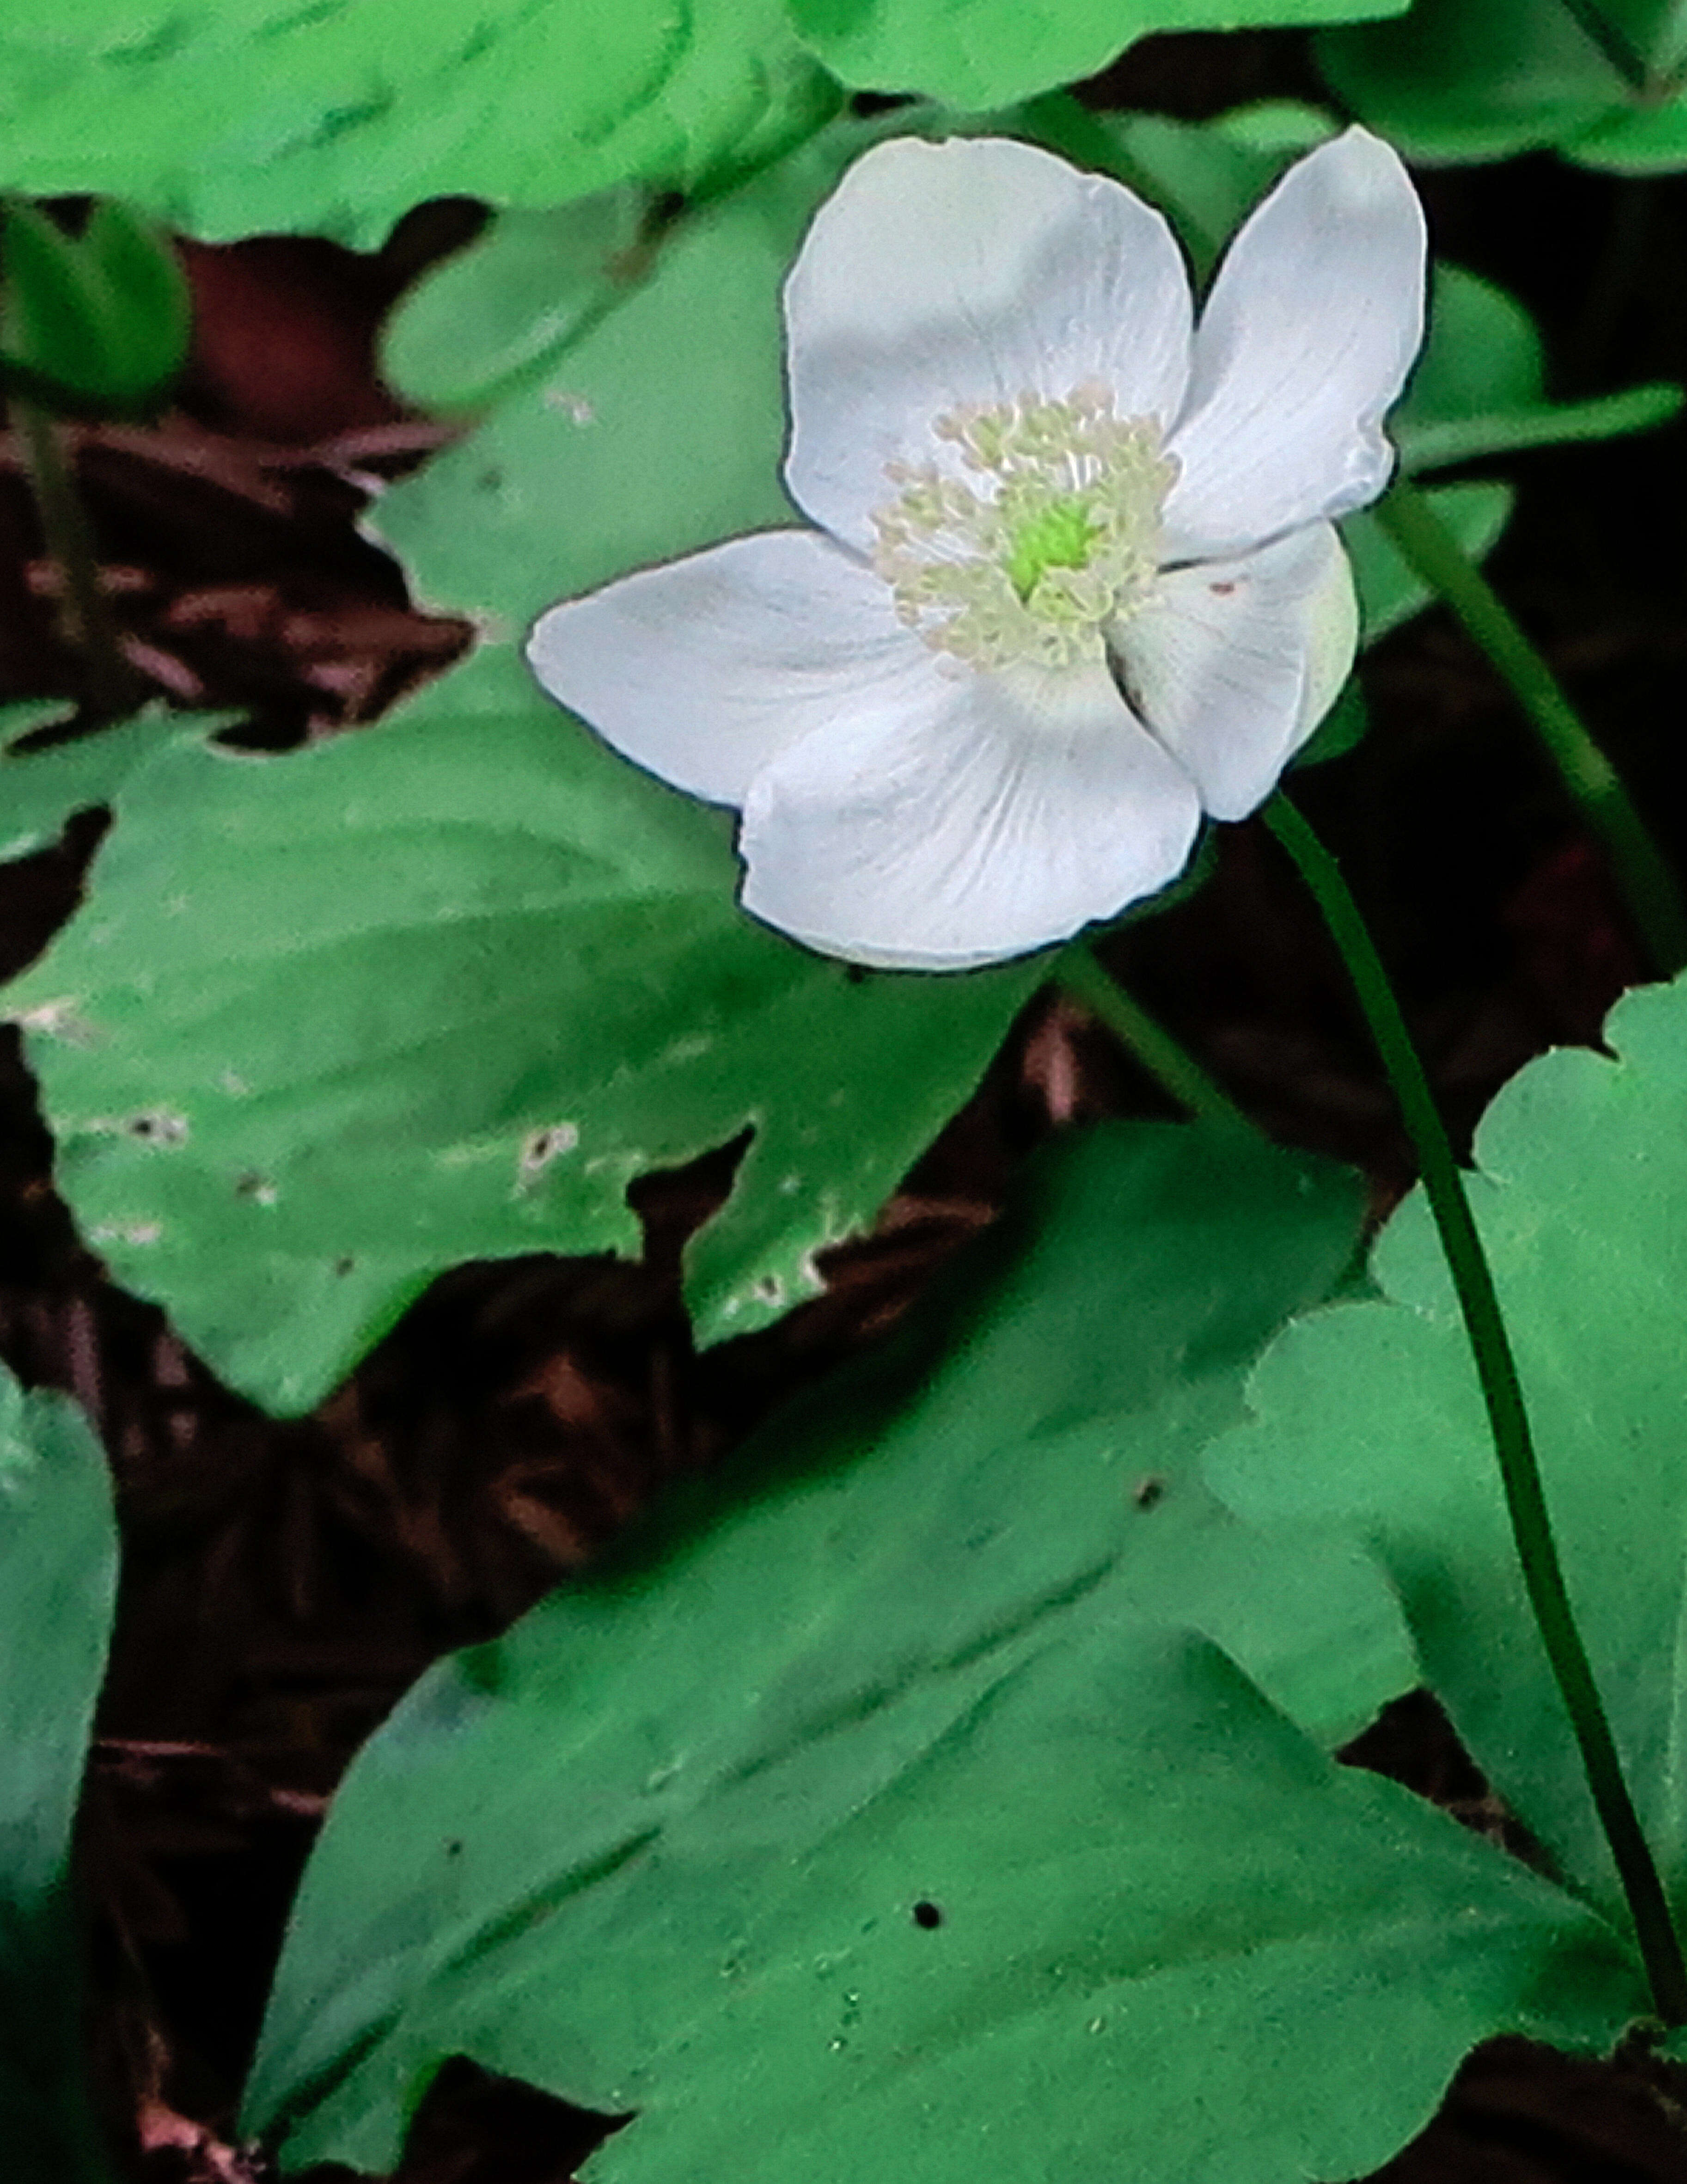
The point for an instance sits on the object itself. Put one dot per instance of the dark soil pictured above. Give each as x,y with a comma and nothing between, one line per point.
284,1583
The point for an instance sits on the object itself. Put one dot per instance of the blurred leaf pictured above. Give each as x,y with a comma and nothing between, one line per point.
1389,592
99,320
510,302
230,117
1370,1415
977,54
1206,177
931,1644
1652,32
439,991
57,1578
662,429
1479,387
40,790
1453,81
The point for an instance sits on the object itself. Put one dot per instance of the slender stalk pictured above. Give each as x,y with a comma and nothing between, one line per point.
1083,975
84,616
1649,886
1507,1414
1614,42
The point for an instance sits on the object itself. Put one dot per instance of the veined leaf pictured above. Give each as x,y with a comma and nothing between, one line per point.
885,1814
340,116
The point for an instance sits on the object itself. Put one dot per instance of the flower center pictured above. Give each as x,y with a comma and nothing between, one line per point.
1058,537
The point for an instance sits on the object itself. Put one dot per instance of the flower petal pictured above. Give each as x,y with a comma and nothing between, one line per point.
704,670
994,817
1310,329
1233,664
972,271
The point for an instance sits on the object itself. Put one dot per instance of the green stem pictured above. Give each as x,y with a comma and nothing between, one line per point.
84,616
1082,974
1508,1415
1648,883
1613,42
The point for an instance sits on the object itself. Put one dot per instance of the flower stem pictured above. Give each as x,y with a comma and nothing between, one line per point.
1653,896
1613,42
1507,1414
1088,980
84,616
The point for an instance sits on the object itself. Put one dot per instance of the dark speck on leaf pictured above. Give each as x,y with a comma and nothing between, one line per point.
1148,1493
926,1914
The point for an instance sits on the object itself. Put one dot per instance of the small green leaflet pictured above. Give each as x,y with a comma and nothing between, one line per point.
59,1580
894,1809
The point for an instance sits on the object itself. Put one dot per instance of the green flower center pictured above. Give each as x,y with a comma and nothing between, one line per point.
1058,539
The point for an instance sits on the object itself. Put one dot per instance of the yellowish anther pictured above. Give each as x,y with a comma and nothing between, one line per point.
1058,537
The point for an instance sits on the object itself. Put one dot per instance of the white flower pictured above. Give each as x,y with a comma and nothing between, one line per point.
1075,580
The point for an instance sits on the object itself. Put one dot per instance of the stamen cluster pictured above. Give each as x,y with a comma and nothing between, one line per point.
1061,539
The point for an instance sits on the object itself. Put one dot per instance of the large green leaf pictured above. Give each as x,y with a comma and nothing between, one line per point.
227,116
1370,1413
438,991
930,1645
1452,82
981,54
58,1581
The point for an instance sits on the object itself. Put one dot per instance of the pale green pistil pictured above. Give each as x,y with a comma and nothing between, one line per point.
1057,541
1057,537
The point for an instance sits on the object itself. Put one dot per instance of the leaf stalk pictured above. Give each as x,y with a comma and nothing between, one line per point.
1648,885
1086,977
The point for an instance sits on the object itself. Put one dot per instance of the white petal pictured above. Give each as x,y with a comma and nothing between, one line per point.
976,270
993,818
1232,665
1310,329
706,669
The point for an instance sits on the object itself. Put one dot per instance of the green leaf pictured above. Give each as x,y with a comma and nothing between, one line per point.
1453,81
97,321
226,117
1205,176
661,430
1648,140
439,991
1480,388
40,790
1390,591
1369,1414
510,302
977,54
660,1849
57,1578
